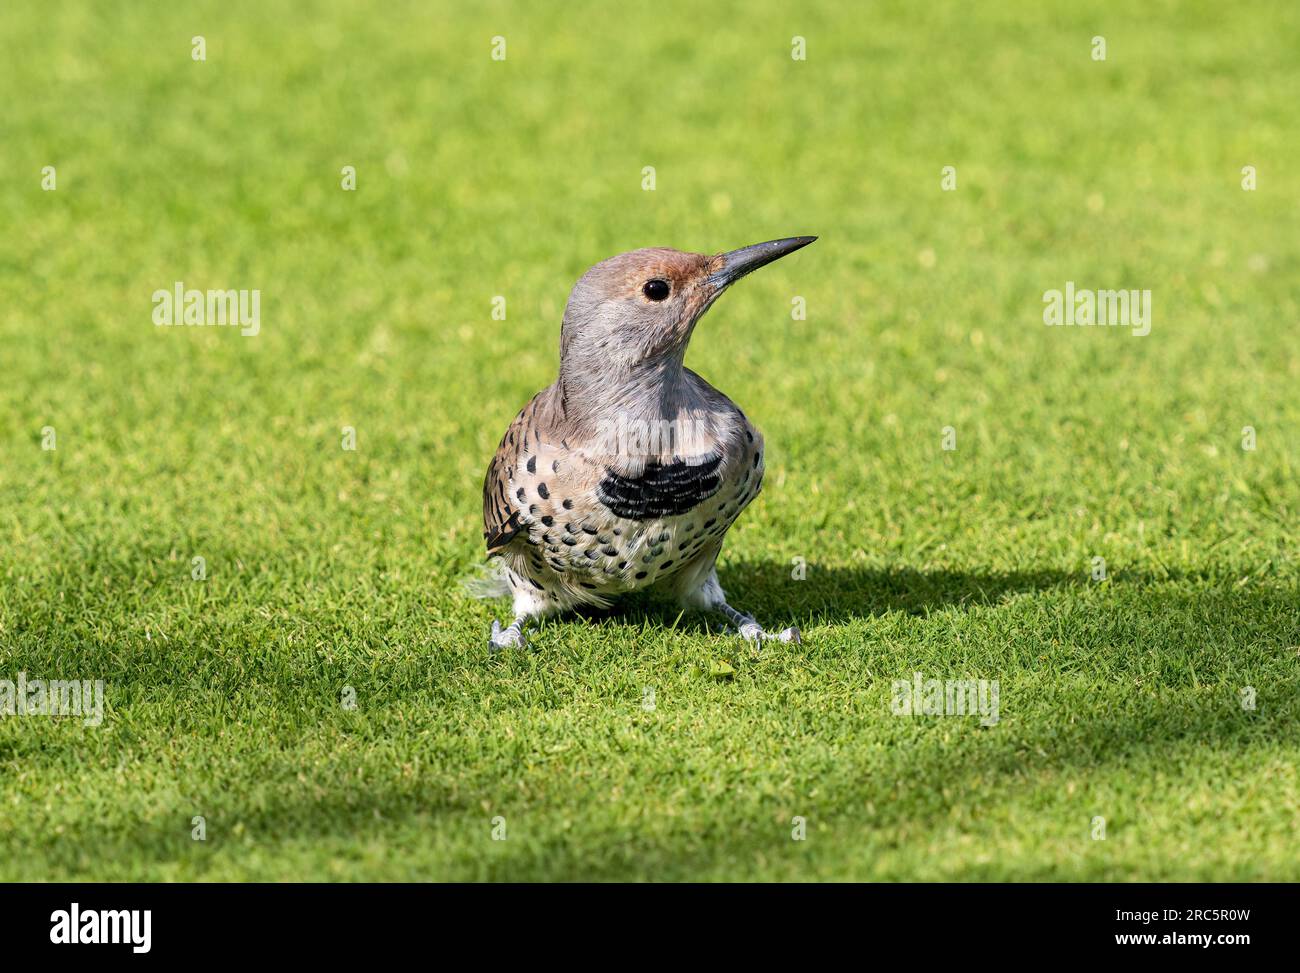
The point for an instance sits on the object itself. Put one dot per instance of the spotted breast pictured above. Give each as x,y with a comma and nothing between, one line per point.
581,524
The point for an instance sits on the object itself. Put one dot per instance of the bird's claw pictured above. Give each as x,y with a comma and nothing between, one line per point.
505,638
753,633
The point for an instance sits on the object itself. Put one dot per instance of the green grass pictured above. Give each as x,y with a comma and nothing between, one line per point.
328,568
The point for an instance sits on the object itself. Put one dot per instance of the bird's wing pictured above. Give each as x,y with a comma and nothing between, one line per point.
533,460
500,513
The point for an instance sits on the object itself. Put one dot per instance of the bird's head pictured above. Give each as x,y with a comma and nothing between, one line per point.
637,310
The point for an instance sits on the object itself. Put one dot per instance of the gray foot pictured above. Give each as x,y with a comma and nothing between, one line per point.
749,630
511,637
752,632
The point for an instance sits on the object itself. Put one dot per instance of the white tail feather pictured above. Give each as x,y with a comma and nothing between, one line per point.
489,583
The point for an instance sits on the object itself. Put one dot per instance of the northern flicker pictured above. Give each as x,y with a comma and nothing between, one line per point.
625,473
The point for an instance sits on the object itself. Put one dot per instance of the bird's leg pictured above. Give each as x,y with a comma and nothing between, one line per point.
512,636
701,590
751,631
527,607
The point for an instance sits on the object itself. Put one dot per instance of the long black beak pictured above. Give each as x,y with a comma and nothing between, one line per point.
738,263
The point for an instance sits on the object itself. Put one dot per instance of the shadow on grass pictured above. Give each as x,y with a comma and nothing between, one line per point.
767,590
838,594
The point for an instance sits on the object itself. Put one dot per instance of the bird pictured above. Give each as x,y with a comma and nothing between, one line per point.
625,474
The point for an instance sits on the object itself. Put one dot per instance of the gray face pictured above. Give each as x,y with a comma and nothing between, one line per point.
636,311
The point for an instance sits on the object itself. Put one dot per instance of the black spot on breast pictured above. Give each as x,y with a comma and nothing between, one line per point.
571,542
532,464
590,530
536,585
542,492
610,551
661,490
641,574
520,493
555,467
568,505
548,520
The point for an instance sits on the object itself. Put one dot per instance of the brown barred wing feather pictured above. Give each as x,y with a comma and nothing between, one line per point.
500,512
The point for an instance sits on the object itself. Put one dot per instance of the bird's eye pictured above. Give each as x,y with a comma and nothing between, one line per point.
656,290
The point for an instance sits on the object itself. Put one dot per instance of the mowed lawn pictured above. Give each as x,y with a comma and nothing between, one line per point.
1149,723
